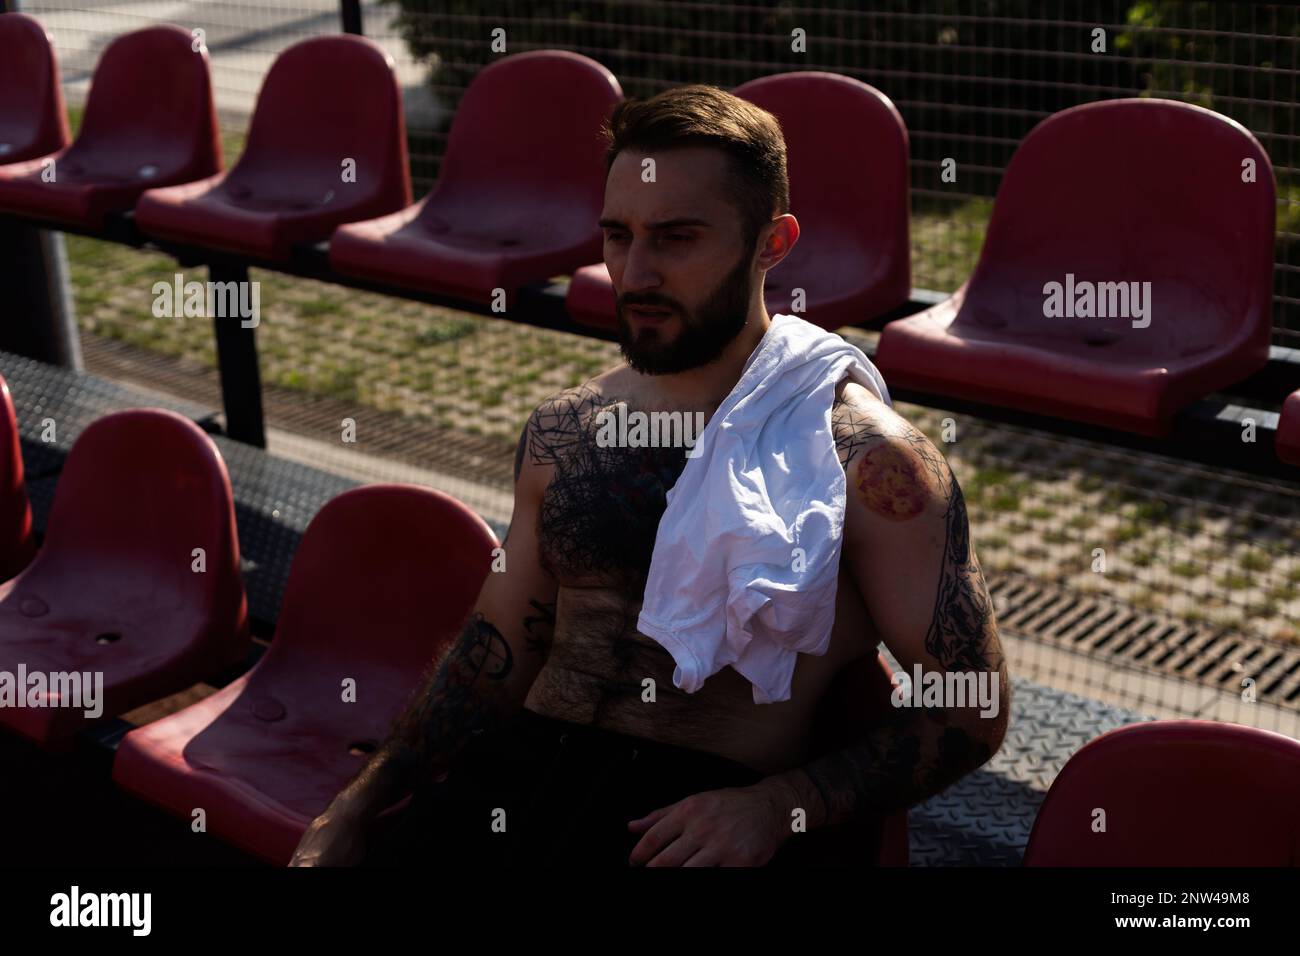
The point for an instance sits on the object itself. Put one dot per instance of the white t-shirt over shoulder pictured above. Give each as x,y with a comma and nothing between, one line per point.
746,559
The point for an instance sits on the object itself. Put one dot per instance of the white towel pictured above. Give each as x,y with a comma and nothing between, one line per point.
723,588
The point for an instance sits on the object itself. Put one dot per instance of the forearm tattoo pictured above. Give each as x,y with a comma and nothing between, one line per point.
917,753
456,702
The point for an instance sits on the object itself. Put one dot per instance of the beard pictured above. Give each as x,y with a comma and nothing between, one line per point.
703,336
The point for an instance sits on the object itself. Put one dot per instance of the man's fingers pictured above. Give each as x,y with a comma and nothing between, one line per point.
650,819
704,857
677,852
662,833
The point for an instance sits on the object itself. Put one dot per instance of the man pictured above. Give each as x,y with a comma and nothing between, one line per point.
535,737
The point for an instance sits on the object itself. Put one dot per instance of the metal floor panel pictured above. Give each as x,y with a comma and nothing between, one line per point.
985,818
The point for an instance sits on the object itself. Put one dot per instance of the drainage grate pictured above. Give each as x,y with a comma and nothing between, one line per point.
1159,643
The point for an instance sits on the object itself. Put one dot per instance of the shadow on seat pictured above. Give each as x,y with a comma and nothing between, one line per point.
383,577
1096,200
520,188
1174,793
137,579
327,145
149,121
32,119
1287,439
17,538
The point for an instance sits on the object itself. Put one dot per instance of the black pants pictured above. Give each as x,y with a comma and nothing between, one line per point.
565,793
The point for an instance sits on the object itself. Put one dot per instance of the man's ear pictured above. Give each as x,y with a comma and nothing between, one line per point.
778,238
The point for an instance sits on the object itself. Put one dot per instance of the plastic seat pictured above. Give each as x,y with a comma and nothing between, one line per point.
857,701
324,101
149,121
1287,440
1137,190
847,161
32,119
1175,793
520,191
17,540
384,575
116,587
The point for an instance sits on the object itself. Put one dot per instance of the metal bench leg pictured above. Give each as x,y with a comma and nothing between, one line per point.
241,380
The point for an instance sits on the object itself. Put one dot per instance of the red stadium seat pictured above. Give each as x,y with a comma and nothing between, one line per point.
149,121
115,588
382,578
324,101
32,119
520,190
1287,440
847,162
1137,190
17,542
1175,793
856,702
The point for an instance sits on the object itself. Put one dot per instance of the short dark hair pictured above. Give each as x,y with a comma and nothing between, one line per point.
701,115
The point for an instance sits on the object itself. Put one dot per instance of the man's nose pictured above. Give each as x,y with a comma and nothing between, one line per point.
640,273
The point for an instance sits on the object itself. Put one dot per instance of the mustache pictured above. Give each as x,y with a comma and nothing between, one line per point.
648,303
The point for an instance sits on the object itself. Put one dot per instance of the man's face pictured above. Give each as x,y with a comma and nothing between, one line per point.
666,244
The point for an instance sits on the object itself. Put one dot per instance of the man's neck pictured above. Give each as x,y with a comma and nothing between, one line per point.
710,384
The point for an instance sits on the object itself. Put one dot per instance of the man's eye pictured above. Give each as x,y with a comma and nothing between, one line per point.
617,237
679,237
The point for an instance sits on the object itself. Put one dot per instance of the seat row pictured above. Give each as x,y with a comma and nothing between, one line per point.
1152,220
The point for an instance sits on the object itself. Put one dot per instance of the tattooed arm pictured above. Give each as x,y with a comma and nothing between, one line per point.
479,681
907,544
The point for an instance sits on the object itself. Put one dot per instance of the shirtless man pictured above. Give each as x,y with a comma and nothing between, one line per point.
553,644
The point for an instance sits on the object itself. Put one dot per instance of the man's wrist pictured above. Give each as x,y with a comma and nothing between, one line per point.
795,790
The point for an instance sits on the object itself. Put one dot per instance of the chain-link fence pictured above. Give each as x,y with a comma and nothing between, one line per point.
1171,588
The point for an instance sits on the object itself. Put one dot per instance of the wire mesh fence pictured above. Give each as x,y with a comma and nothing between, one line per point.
1170,588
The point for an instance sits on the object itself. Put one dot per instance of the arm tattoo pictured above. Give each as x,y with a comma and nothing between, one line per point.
917,753
539,628
460,698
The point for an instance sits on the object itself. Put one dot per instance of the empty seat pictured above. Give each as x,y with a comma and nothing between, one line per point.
137,578
520,189
17,540
327,145
32,119
1174,793
383,576
149,121
1139,191
847,162
1287,440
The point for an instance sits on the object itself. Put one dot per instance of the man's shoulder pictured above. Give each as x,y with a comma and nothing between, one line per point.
887,459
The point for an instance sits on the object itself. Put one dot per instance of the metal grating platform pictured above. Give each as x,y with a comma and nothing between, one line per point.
985,818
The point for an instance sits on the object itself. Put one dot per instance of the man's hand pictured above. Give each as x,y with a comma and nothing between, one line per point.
335,838
742,826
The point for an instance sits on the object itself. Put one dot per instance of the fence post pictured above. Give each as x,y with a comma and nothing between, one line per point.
350,11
